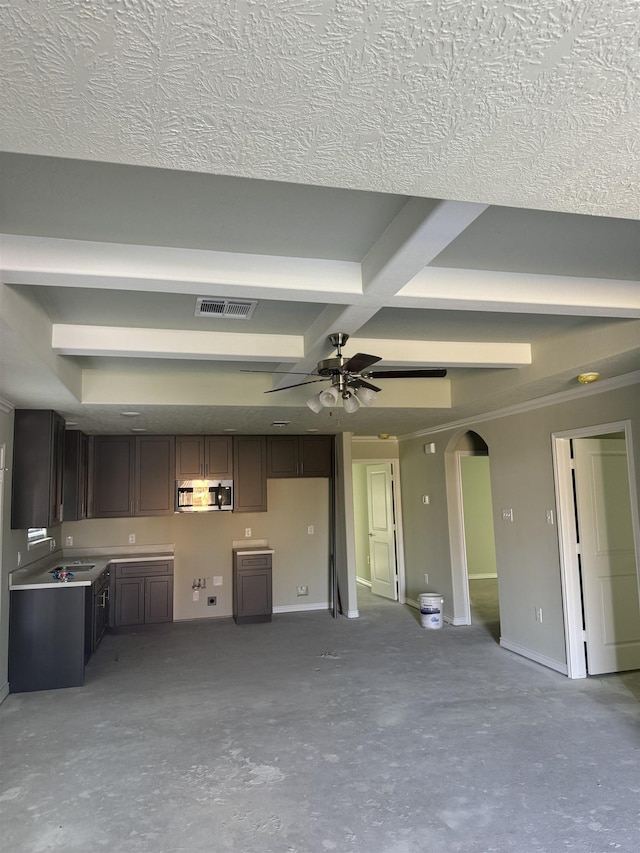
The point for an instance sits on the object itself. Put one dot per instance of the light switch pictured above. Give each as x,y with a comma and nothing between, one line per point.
310,530
217,580
196,595
549,516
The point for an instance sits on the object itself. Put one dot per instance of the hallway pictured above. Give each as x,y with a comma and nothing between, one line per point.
307,735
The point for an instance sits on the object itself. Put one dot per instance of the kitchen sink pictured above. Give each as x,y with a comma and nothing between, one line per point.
73,567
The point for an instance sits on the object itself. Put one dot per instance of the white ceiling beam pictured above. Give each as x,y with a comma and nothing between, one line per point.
417,235
443,353
173,343
486,290
118,266
128,342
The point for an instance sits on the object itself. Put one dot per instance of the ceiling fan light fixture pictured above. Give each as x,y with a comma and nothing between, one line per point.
328,397
314,403
366,397
350,402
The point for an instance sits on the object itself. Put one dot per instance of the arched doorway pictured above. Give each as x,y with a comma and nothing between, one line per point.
474,565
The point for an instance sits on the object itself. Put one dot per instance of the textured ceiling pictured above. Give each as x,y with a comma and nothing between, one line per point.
449,182
523,104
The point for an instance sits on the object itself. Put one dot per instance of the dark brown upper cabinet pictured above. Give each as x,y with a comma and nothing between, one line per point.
154,481
38,467
133,476
204,456
76,474
250,473
299,455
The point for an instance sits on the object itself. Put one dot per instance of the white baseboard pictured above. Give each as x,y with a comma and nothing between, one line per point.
534,656
363,581
484,576
455,620
299,608
353,614
4,692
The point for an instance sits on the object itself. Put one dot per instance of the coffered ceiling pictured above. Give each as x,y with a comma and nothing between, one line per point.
450,183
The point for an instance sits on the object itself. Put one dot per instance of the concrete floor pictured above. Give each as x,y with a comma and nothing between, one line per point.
308,734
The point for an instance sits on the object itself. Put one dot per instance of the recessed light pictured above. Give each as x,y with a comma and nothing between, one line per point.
280,424
138,429
71,423
230,429
129,414
313,429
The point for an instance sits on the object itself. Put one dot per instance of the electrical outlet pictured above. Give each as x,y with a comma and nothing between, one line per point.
426,499
549,516
132,539
538,614
247,532
19,561
212,601
68,542
507,515
311,530
426,577
302,590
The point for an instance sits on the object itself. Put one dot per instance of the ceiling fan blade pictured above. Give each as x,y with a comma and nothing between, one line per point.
287,387
283,372
358,382
359,362
418,373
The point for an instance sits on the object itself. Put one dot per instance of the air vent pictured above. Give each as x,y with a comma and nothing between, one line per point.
227,309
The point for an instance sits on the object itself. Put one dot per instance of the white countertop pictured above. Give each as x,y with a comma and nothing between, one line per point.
256,549
39,577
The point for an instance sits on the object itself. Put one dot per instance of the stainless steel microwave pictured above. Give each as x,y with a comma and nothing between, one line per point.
204,495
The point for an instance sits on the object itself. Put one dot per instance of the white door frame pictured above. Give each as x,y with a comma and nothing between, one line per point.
397,501
568,536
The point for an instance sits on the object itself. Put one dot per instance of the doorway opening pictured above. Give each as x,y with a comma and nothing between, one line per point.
378,528
599,538
471,532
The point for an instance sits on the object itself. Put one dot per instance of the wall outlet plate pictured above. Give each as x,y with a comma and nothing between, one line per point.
68,541
132,539
302,590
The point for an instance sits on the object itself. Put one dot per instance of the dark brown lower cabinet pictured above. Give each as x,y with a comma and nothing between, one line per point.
142,593
252,588
96,613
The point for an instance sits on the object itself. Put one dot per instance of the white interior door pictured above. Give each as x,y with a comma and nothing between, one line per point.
382,532
607,558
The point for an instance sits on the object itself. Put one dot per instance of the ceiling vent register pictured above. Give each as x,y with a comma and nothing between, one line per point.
226,309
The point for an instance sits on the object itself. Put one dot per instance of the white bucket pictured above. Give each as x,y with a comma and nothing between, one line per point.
431,606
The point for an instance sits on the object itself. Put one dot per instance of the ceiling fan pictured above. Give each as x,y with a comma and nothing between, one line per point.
350,378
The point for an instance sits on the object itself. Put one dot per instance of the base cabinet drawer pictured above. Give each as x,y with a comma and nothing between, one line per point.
143,593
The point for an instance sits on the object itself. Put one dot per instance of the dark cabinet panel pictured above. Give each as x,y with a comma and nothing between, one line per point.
250,473
154,467
218,457
282,456
46,639
315,454
38,467
252,588
96,612
113,481
132,476
129,608
143,593
76,472
158,599
204,456
299,456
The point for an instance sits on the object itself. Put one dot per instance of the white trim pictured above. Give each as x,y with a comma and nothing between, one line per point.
363,581
483,576
567,534
550,663
376,438
4,692
529,405
6,406
300,608
353,614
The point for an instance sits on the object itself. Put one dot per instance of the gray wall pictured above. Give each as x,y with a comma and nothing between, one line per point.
527,550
